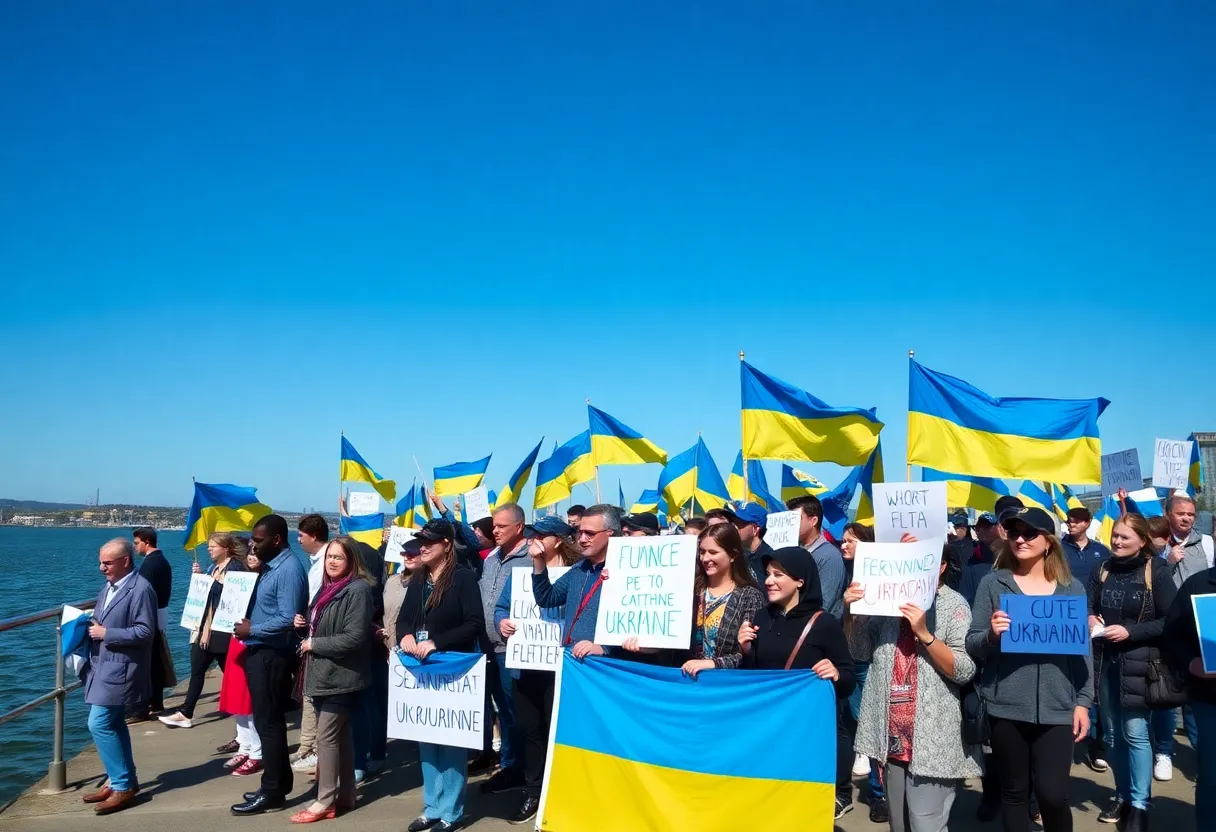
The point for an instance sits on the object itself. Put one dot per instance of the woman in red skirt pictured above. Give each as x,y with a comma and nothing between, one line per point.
236,700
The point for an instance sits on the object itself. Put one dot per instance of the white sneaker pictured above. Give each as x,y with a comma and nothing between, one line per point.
305,764
861,765
1163,767
176,721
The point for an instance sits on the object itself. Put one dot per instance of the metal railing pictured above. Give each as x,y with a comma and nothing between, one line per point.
57,772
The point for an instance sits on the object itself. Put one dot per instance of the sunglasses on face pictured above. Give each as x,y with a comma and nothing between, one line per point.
1025,533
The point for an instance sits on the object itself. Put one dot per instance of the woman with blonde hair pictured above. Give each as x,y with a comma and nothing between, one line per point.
1038,704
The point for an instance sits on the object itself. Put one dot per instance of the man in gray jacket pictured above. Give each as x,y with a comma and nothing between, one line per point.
120,668
1188,551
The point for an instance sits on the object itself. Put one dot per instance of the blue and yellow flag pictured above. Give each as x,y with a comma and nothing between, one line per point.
1063,499
1195,478
646,738
614,443
795,483
1108,513
871,473
365,528
620,495
693,476
756,490
1033,495
979,493
515,486
569,465
836,501
353,468
220,507
413,510
953,426
459,477
781,421
648,503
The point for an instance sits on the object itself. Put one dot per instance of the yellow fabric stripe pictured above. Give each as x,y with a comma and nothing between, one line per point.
456,486
845,440
593,792
614,450
351,471
946,446
221,519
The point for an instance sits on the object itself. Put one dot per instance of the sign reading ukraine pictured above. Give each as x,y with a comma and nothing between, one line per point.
652,755
440,700
647,593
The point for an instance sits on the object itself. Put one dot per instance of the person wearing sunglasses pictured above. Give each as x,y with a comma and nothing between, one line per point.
1038,704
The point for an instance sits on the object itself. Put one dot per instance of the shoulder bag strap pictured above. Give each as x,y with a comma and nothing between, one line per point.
805,631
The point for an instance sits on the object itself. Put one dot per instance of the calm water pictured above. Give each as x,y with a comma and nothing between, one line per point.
45,567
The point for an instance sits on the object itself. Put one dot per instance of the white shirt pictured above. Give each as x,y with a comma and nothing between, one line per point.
316,573
115,587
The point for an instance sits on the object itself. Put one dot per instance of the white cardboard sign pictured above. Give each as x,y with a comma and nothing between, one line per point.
1171,463
196,600
915,508
893,574
234,601
398,536
648,592
431,705
782,529
360,503
476,504
1121,470
537,643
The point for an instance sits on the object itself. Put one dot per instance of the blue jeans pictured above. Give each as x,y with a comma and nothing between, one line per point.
861,671
109,729
1204,716
1132,754
500,693
1166,722
444,774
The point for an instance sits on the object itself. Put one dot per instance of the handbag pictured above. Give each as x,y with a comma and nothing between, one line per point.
1165,689
975,717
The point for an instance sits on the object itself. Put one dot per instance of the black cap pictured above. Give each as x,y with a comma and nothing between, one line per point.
1033,517
411,548
960,518
641,522
1005,505
437,529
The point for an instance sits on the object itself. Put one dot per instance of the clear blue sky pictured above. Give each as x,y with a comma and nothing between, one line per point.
230,231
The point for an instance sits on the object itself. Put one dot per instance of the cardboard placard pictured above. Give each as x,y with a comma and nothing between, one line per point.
915,508
398,536
1121,470
196,600
234,601
440,701
1204,607
1056,625
537,642
360,503
476,504
648,593
894,574
782,529
1172,463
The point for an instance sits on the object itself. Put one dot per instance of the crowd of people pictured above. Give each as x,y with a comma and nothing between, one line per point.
925,701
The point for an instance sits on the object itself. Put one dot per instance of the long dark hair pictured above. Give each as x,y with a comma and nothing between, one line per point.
445,576
726,536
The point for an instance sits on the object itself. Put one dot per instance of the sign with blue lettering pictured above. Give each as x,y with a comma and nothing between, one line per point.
440,700
1205,624
647,591
1051,624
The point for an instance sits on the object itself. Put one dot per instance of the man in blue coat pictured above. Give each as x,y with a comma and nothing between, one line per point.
120,662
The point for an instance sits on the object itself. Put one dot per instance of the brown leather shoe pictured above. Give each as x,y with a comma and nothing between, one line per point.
116,802
97,796
135,719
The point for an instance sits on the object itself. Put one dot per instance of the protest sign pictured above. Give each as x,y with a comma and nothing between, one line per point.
1052,624
196,600
398,536
893,574
360,503
476,504
648,591
234,600
440,700
915,508
537,643
1204,607
1172,463
1121,470
782,529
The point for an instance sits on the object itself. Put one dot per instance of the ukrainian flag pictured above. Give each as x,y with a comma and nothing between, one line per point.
781,421
692,475
953,426
620,496
979,493
747,490
459,477
220,507
366,528
836,501
871,473
1195,478
1033,495
515,486
1064,499
613,443
413,510
648,503
795,483
353,468
569,465
642,760
1107,515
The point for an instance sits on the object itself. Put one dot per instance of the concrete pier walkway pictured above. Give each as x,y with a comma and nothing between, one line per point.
186,789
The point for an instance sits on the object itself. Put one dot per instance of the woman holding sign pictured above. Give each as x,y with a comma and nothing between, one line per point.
909,717
1129,596
441,612
726,596
1038,703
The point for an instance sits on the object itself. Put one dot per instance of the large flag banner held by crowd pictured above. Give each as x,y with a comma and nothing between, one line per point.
651,755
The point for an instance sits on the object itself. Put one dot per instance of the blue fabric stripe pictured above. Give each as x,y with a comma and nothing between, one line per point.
933,475
516,480
764,392
604,425
360,523
447,664
657,715
462,469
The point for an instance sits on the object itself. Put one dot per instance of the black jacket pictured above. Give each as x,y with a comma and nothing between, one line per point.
1122,599
755,560
155,570
341,656
959,555
456,623
1181,637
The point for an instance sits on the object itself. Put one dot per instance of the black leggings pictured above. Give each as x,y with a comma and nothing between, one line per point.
1023,749
533,700
200,663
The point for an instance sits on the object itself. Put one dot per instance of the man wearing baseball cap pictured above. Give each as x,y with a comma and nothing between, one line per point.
640,525
752,520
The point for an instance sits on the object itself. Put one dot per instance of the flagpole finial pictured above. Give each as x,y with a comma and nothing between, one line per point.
588,401
740,355
911,353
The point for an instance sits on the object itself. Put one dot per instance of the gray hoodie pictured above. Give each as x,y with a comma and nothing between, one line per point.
1026,687
1194,562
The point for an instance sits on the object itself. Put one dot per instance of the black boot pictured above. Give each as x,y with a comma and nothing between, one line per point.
1136,820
